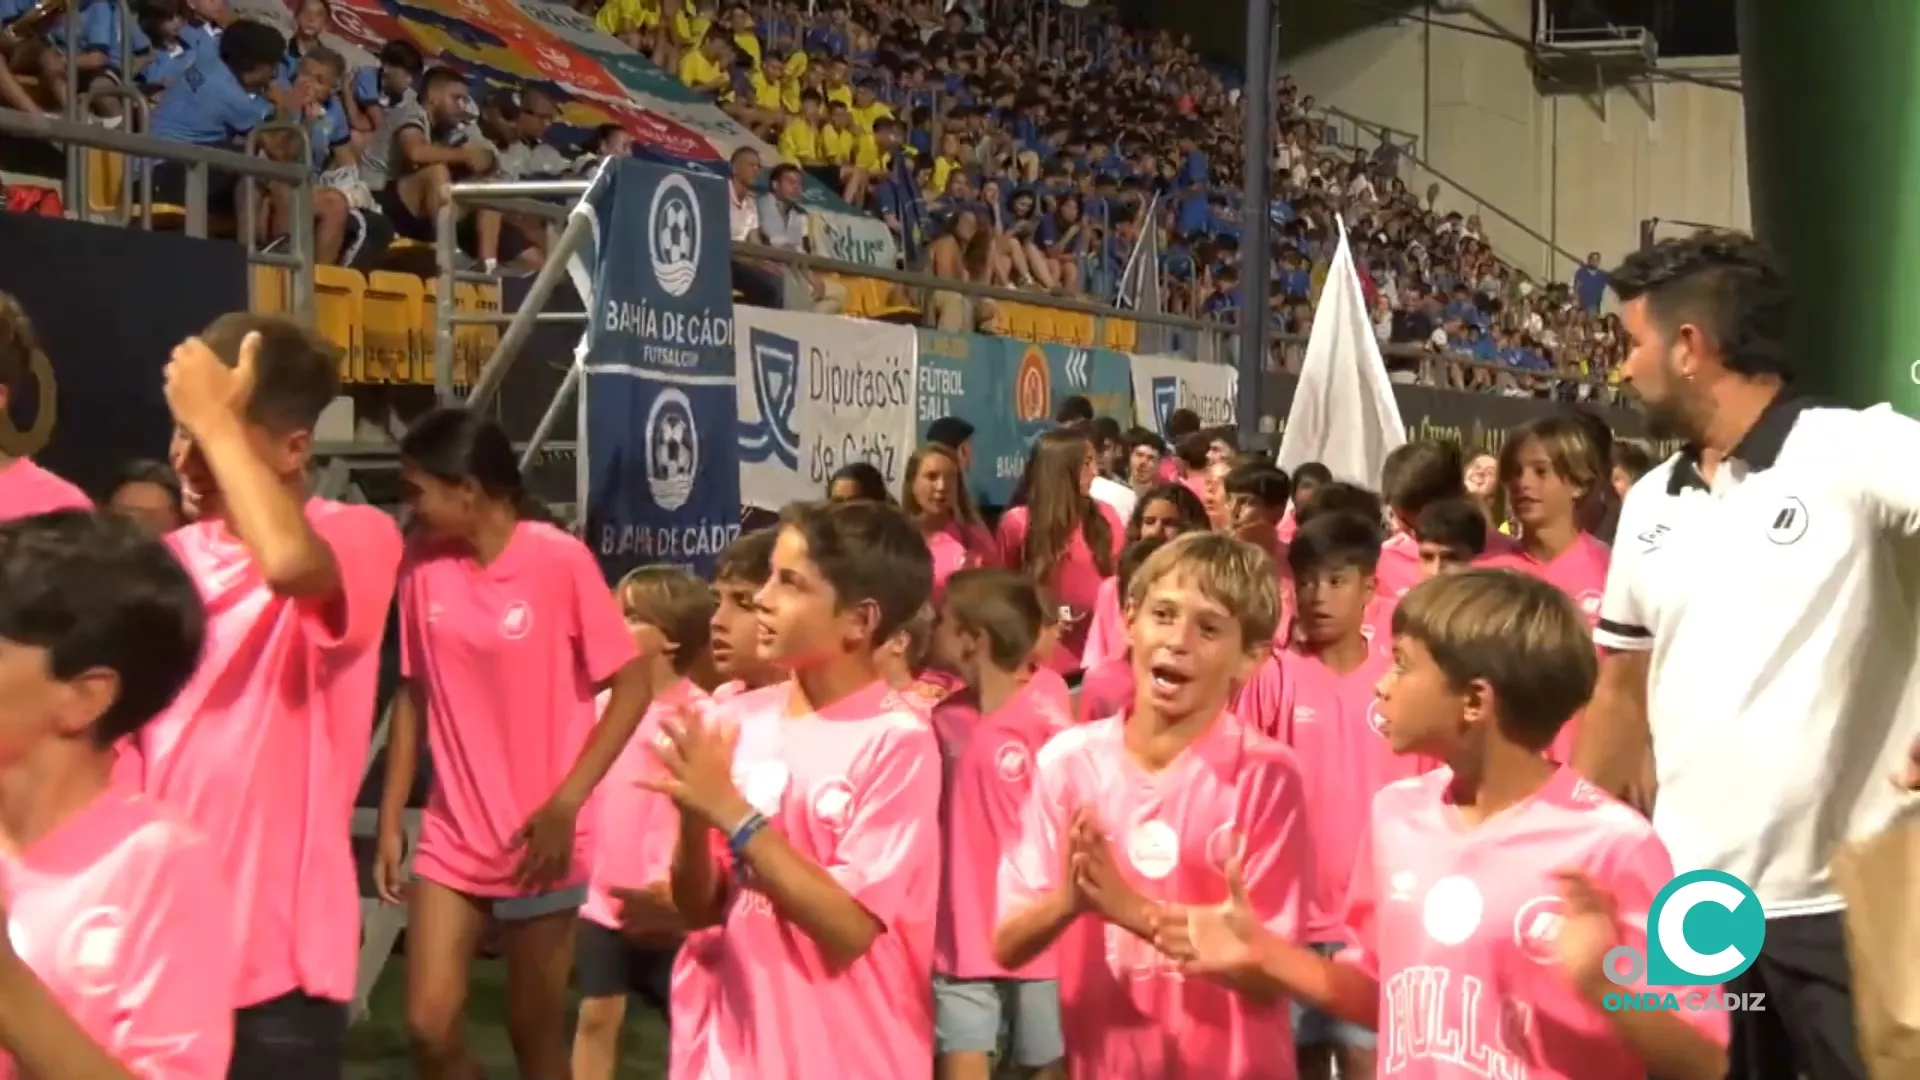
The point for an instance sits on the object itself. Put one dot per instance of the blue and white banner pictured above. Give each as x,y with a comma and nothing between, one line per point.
817,392
1162,384
658,426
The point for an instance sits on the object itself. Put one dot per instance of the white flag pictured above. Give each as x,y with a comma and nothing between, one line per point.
1343,415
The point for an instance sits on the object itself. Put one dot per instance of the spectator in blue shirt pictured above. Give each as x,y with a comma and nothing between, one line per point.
218,103
1590,284
96,55
168,56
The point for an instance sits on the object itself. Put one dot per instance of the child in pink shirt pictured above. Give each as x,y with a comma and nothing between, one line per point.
1452,534
628,929
1162,512
264,749
1317,696
1063,539
26,488
935,496
989,734
1554,474
118,959
507,632
1140,813
1414,477
1107,688
825,793
1487,895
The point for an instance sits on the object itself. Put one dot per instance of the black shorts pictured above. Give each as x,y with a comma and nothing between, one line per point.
1807,1027
170,188
291,1037
406,224
608,965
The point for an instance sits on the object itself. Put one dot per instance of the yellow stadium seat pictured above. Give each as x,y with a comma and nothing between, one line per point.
1020,320
105,171
1046,324
339,300
392,325
1075,328
271,291
474,343
998,323
426,341
1122,334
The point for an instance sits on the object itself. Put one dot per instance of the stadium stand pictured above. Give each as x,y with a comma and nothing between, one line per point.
988,158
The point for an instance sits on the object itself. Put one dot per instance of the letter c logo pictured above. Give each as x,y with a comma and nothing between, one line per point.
1724,913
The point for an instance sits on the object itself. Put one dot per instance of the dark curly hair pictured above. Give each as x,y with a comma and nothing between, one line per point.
1725,284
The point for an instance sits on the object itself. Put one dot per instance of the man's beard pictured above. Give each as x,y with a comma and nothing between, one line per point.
1668,419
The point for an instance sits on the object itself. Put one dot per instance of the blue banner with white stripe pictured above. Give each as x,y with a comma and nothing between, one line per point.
657,413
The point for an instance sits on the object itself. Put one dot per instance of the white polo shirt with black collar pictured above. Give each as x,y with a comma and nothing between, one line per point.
1781,606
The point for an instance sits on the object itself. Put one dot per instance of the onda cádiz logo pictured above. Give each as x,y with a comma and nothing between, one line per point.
1705,928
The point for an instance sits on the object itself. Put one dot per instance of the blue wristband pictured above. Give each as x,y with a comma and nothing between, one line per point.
743,833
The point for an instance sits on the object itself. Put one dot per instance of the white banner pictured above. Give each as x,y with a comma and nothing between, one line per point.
817,392
1344,415
1162,384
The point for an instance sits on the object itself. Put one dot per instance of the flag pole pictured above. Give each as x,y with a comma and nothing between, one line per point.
1256,224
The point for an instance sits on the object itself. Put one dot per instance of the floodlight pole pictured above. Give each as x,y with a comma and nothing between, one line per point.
1256,217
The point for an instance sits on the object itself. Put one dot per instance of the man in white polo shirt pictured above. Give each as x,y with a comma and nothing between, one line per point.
1760,624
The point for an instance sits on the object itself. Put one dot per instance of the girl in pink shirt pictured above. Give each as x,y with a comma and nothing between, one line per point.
1554,475
1487,895
1162,513
507,633
1063,539
935,496
628,929
1142,812
118,959
989,734
1107,688
824,795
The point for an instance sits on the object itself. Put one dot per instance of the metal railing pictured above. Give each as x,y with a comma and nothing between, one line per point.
142,150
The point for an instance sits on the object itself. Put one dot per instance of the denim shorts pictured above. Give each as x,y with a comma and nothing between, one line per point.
1311,1027
969,1016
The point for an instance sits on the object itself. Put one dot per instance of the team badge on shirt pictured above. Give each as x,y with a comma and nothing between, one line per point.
833,803
1302,715
1536,925
1452,910
1154,849
517,621
1012,762
1789,522
1374,720
763,786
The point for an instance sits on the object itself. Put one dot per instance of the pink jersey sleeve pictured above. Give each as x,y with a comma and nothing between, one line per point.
895,825
1010,537
600,631
1634,870
407,595
1263,703
1032,866
179,972
366,545
1107,636
1363,892
1275,858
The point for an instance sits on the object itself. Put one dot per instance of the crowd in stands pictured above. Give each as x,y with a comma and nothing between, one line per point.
1003,144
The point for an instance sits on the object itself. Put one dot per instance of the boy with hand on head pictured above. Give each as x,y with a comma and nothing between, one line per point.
264,749
118,959
1486,894
825,793
990,732
1134,819
629,929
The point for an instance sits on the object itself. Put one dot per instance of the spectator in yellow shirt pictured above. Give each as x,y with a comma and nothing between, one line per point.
635,22
839,146
837,87
705,68
867,106
948,161
739,23
800,138
774,90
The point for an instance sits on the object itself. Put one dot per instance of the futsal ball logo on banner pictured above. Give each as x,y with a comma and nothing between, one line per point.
673,234
1033,388
673,449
